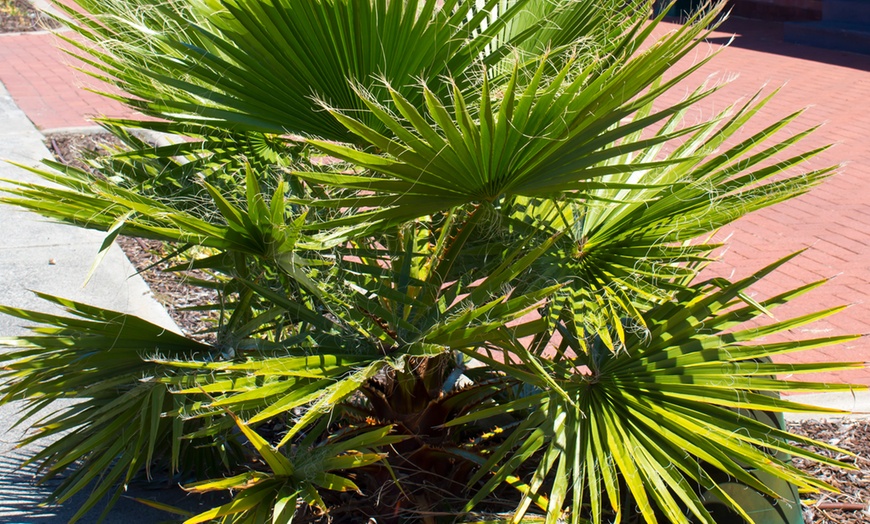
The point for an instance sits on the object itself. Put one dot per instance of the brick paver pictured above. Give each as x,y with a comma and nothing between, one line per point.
43,83
831,222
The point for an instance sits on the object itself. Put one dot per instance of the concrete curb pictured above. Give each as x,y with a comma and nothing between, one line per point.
48,7
857,402
77,130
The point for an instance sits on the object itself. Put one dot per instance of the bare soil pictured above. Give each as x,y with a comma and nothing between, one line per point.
850,506
19,16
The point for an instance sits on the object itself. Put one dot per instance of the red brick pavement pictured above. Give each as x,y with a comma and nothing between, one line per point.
43,83
831,222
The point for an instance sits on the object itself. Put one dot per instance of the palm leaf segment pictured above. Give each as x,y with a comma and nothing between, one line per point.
116,428
576,152
540,137
175,172
258,65
628,248
608,430
258,228
273,496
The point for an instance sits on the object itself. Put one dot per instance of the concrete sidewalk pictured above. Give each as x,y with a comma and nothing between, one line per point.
36,254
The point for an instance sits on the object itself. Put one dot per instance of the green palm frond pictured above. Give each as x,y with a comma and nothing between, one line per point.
115,428
627,249
258,228
174,172
679,396
245,66
553,131
272,496
264,388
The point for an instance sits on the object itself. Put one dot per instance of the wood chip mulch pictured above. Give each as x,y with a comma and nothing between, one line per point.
852,504
19,16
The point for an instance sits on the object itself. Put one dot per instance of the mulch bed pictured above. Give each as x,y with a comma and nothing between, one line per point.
851,506
69,148
18,16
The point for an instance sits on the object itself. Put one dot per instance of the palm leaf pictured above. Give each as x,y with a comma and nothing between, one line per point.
244,66
115,430
677,397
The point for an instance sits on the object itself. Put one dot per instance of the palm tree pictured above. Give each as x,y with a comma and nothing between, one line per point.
455,244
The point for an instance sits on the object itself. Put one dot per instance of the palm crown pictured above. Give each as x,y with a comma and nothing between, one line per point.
466,230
